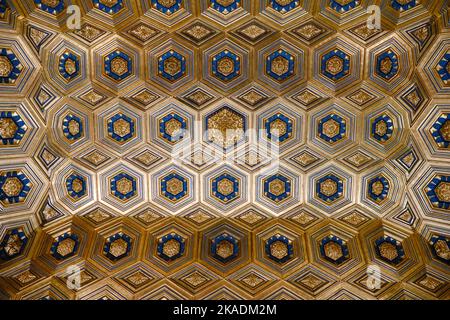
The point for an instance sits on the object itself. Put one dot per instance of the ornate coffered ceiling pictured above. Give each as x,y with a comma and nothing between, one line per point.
312,148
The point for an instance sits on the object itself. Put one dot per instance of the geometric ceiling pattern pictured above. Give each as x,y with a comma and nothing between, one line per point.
224,149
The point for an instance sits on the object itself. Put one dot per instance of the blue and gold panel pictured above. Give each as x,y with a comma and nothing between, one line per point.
66,65
69,65
3,7
441,131
432,130
279,248
443,69
121,128
167,12
403,5
174,187
117,246
332,128
440,246
65,246
334,249
283,6
18,66
225,6
283,12
171,246
12,128
73,127
118,65
172,66
280,124
277,188
343,6
385,128
378,189
226,65
342,12
123,186
167,7
438,192
108,6
330,188
389,250
14,187
70,126
335,64
10,66
432,189
281,64
76,186
172,127
50,6
225,12
382,128
225,248
225,188
217,149
401,12
387,64
435,66
278,127
13,244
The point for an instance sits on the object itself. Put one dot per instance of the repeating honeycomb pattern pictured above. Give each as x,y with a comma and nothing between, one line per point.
224,149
